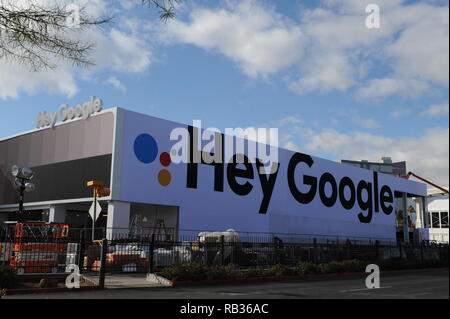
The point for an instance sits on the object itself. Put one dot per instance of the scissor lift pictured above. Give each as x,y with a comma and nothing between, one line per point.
39,247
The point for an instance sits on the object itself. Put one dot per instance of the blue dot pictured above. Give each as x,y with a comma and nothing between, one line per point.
145,148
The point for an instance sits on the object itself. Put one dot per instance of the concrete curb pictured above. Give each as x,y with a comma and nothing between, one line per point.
167,282
154,278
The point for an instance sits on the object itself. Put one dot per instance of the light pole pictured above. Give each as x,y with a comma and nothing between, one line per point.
22,183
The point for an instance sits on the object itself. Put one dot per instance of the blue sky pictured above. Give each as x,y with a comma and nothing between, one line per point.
333,87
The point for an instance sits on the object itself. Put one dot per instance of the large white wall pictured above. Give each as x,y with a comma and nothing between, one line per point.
438,204
205,208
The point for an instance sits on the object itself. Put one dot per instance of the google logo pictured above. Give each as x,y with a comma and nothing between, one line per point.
146,151
369,195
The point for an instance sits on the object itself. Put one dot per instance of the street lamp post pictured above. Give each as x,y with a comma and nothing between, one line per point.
22,183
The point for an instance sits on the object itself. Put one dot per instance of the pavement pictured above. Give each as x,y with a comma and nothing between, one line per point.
123,281
411,285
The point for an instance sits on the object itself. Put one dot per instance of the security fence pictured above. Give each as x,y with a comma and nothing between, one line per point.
153,251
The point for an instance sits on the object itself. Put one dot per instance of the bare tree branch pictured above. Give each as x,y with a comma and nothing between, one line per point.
37,35
166,8
34,35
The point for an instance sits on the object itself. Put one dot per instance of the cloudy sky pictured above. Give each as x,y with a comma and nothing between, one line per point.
333,87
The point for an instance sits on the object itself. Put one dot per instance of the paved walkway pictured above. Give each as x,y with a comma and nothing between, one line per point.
417,285
115,281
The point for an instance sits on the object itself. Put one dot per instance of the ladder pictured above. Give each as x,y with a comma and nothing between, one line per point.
161,230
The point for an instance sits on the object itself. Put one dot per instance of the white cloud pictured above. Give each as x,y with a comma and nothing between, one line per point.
362,121
329,47
287,121
378,88
128,4
16,79
325,72
119,51
426,155
260,40
422,48
436,110
290,145
122,50
400,113
116,83
411,45
368,123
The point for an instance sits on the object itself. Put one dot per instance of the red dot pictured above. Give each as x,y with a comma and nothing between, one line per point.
164,158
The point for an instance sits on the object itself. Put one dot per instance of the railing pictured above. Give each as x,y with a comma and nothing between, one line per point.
171,234
125,252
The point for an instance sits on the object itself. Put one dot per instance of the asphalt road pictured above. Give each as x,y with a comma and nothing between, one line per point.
417,285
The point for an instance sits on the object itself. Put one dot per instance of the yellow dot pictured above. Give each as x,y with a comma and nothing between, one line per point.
174,152
164,177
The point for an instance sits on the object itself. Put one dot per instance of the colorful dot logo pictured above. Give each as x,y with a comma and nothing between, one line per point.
145,148
146,151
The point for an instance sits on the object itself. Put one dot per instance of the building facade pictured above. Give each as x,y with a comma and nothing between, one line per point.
161,176
434,226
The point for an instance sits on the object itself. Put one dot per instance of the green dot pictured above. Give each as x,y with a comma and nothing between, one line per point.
174,152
